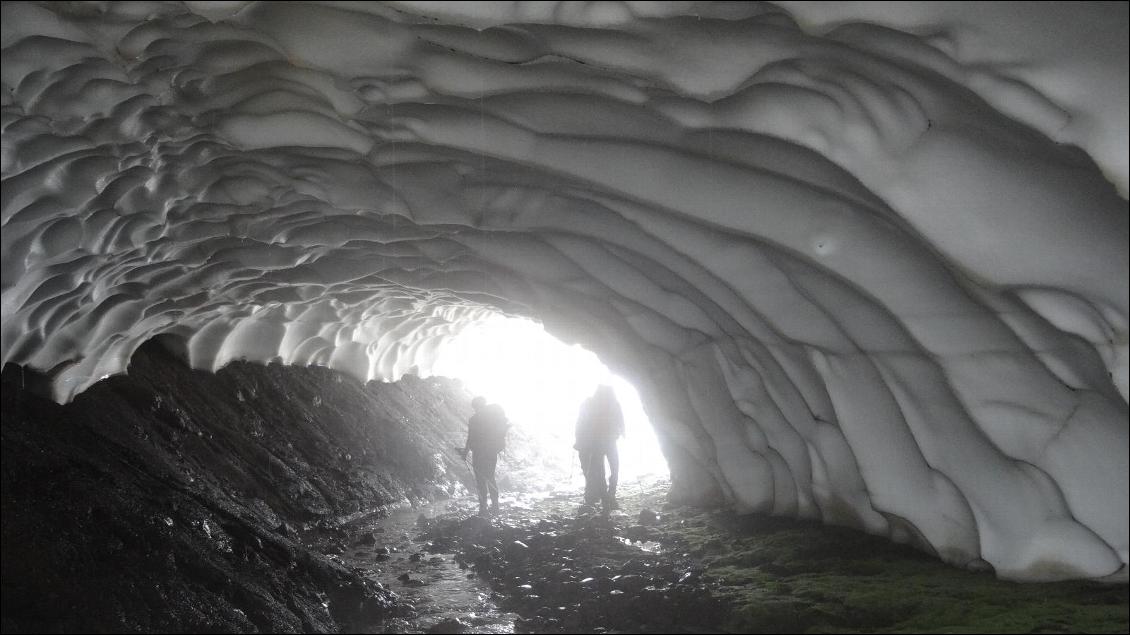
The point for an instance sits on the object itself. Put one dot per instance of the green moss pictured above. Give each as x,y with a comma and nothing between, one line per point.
795,577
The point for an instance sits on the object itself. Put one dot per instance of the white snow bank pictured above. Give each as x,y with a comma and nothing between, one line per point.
858,268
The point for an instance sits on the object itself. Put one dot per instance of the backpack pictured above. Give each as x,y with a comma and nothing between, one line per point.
494,429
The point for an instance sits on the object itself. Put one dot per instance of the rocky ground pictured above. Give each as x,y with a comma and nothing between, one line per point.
267,498
655,568
178,500
565,568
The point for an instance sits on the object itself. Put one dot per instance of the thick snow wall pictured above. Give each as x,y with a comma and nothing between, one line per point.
870,272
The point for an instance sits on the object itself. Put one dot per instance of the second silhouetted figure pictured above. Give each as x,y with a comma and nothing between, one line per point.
599,424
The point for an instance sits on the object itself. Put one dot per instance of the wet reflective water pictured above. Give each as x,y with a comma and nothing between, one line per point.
649,546
442,596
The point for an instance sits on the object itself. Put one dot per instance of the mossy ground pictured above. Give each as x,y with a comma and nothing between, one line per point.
789,576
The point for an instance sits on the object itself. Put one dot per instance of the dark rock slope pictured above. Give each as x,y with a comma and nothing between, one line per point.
177,500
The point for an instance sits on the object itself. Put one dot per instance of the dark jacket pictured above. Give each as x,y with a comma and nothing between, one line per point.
486,431
599,424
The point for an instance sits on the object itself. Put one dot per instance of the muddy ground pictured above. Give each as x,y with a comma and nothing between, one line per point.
650,567
277,499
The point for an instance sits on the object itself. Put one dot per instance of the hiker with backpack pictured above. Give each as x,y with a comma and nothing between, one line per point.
486,437
599,425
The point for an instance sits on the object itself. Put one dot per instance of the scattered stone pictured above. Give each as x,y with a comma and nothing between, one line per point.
580,573
630,583
648,517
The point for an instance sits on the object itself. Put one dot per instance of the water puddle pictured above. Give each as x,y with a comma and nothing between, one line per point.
650,546
442,597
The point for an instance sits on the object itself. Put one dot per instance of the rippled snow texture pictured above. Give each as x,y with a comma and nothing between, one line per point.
858,273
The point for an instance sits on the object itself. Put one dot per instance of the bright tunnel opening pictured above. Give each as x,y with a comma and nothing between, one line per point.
541,383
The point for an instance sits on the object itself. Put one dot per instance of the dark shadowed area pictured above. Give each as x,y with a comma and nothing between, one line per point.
171,499
283,499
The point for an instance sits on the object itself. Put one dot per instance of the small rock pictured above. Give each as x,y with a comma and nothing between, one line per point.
630,582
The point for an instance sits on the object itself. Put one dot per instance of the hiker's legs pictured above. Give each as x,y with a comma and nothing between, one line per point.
592,465
596,470
483,478
613,477
491,463
584,459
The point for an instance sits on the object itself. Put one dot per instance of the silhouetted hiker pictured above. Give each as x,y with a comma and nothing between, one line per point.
599,424
486,437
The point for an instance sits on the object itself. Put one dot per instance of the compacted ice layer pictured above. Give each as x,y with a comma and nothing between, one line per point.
853,278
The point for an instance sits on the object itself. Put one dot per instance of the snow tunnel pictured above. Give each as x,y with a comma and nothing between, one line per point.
865,264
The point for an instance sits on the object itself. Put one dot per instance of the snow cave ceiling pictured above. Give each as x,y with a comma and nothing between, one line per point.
866,263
